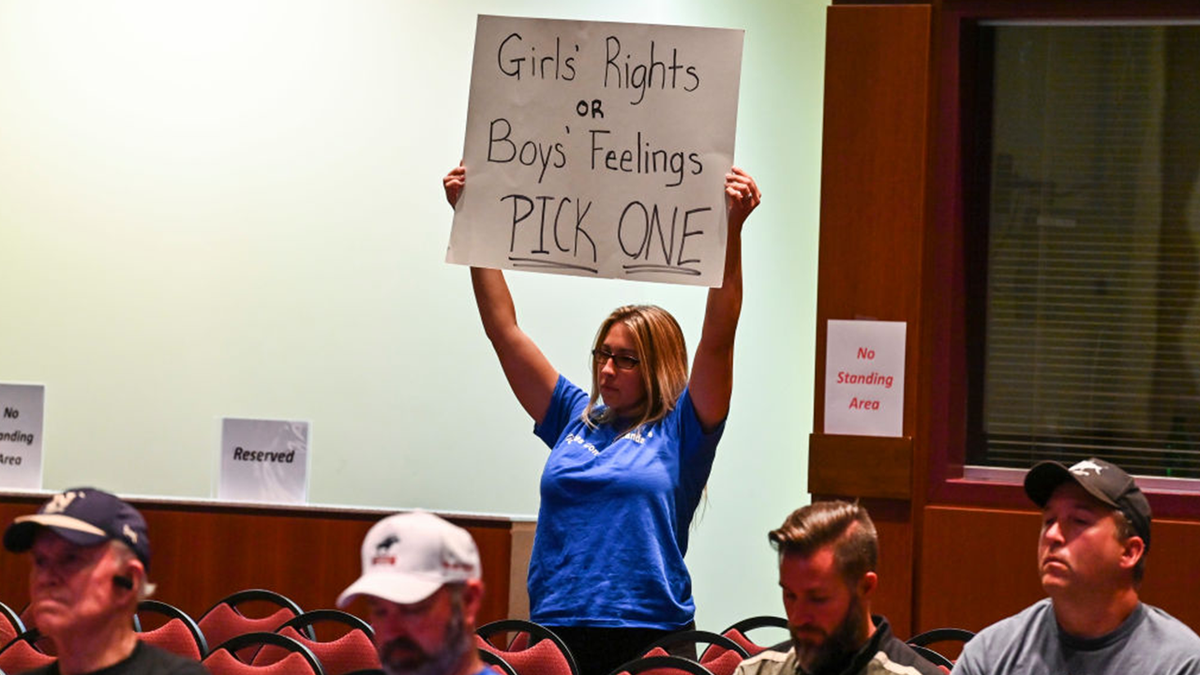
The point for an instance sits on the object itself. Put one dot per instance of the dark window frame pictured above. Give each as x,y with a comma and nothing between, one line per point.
957,197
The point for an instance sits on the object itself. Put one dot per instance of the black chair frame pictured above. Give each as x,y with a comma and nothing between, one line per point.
764,621
932,656
941,635
651,662
493,659
172,612
263,595
12,617
304,622
235,644
30,635
537,633
698,637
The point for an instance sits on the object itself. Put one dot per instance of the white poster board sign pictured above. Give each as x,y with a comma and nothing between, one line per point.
22,409
864,378
264,461
598,149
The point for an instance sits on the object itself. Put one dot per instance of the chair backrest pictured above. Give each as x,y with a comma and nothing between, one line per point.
224,660
955,637
542,658
315,624
546,653
353,651
168,627
225,620
933,657
738,632
19,654
661,665
496,662
41,642
721,655
10,624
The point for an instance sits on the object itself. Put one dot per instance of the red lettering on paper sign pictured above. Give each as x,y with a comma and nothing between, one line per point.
863,404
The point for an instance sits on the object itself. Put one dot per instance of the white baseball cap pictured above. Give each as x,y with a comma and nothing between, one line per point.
408,556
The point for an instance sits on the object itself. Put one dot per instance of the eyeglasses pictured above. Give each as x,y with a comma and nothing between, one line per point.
619,360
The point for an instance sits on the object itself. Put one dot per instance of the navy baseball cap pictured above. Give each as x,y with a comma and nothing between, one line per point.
1103,480
85,517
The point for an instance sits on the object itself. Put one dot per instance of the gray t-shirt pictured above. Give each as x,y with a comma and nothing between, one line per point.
1149,642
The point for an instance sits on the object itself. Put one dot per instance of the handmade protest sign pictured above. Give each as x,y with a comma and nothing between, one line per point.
598,149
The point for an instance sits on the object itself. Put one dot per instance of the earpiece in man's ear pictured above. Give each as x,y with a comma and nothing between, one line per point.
123,582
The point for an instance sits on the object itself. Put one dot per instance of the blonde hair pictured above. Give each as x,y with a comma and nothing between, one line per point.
662,356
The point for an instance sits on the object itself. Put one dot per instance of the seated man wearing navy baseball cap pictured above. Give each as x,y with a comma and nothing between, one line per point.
1091,557
91,553
421,578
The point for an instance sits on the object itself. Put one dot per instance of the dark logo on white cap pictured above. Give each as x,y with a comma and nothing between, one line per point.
381,551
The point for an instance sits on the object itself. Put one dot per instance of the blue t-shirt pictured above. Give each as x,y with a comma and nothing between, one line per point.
613,524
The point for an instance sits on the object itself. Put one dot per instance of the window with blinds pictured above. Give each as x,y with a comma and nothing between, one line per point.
1092,273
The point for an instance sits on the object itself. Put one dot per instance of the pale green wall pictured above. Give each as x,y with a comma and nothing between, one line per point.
217,209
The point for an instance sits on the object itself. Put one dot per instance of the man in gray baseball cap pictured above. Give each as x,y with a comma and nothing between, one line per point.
91,554
1091,557
422,581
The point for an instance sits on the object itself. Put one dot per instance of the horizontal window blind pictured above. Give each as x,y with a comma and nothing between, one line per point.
1093,261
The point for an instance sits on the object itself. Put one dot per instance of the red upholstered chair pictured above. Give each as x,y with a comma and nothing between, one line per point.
495,661
41,642
10,624
19,654
353,650
228,618
170,628
546,654
738,632
300,660
661,665
721,655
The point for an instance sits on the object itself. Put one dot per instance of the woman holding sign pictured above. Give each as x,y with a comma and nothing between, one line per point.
624,476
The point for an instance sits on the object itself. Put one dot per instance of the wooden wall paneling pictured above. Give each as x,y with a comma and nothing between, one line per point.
978,566
872,225
204,552
864,466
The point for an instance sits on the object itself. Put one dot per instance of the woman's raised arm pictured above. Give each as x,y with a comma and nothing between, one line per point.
529,372
711,383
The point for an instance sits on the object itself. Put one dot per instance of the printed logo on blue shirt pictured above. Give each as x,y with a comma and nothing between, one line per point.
637,437
572,438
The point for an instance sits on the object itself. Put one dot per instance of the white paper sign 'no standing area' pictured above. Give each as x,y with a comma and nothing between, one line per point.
599,149
864,378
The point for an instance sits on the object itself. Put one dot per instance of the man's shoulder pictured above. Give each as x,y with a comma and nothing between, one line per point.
773,661
895,656
1169,633
1032,617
